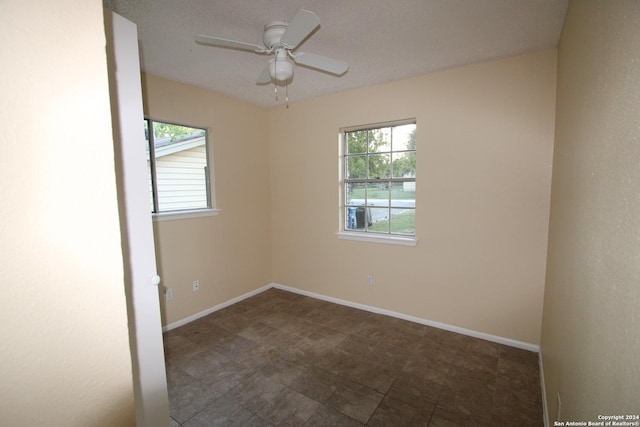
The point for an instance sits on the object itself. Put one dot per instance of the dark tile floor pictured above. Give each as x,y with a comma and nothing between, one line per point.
283,359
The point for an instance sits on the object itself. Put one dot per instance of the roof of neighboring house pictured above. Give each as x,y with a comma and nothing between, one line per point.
172,144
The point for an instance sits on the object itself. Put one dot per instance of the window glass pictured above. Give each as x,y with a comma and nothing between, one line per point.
379,166
177,164
379,140
356,167
379,179
404,164
357,142
404,137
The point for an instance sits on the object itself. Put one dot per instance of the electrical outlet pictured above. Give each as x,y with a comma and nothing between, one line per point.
168,294
369,280
196,285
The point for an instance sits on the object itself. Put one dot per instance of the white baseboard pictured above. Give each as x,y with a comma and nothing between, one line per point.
214,308
446,327
543,389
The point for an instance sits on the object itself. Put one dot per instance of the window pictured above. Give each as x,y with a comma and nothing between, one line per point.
379,179
177,164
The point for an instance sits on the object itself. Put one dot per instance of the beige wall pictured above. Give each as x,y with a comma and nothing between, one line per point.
229,254
591,326
484,141
64,342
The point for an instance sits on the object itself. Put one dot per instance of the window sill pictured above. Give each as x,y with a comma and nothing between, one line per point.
378,238
173,216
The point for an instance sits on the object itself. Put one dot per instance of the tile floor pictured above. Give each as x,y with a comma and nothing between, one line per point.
283,359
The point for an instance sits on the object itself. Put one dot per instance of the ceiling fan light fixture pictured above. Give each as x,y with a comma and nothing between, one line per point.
281,70
280,67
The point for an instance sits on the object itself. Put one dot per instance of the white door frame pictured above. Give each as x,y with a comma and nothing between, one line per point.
141,280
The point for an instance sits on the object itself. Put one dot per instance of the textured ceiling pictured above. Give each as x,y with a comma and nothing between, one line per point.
381,40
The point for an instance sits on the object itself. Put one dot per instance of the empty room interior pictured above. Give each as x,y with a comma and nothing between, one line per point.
509,296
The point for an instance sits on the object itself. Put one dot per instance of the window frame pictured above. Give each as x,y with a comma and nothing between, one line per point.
187,213
365,235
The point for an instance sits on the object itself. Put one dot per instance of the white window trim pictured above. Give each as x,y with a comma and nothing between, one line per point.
187,214
378,238
389,239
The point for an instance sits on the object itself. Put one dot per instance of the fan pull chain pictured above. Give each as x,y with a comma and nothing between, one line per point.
275,85
275,81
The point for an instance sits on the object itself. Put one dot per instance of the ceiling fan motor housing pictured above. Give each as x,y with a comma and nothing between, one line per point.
273,33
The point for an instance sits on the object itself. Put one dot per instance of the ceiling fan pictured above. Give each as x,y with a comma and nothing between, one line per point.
281,38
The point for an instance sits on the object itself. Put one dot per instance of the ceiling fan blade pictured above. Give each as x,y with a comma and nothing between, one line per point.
299,28
323,63
217,41
265,76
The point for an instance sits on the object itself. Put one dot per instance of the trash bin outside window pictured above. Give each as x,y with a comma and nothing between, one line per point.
362,215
